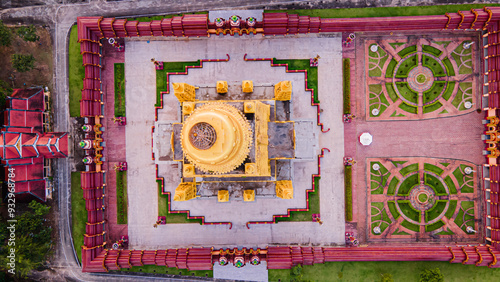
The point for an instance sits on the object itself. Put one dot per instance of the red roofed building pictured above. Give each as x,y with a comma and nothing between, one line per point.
24,144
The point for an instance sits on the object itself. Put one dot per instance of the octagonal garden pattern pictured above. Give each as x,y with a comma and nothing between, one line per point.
417,79
424,198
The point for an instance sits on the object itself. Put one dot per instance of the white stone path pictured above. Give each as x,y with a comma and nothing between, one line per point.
140,98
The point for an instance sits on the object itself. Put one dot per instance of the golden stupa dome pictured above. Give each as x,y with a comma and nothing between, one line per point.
216,138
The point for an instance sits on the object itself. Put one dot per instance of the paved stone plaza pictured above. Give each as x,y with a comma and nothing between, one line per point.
142,187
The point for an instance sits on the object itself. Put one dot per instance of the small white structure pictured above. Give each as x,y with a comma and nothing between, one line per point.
468,105
374,48
376,167
365,139
468,170
376,230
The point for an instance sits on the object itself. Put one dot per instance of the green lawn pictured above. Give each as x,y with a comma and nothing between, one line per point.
436,210
408,210
432,168
436,68
429,49
148,19
409,168
392,186
401,271
407,92
376,59
379,214
121,197
436,184
434,92
78,213
407,65
76,73
410,182
393,210
390,68
385,11
169,270
119,89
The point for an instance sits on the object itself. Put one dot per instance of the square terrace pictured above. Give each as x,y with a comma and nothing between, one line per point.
142,187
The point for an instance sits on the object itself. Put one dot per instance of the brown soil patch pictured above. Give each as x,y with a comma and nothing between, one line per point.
41,50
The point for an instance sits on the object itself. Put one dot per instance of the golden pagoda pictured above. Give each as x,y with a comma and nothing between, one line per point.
184,92
216,138
283,91
284,189
219,141
185,191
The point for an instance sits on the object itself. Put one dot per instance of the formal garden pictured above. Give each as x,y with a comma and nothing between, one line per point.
434,198
415,79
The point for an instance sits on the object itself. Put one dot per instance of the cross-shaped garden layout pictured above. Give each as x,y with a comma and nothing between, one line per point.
422,198
409,78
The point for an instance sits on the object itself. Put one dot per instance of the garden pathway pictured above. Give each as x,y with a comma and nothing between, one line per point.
457,137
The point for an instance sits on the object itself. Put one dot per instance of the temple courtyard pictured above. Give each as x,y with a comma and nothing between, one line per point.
418,180
146,202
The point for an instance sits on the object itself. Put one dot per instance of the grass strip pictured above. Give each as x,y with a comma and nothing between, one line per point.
348,192
121,197
346,68
161,76
119,89
313,207
171,217
159,269
384,11
312,73
78,213
76,73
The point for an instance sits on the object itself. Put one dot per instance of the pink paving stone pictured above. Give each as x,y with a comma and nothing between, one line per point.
114,136
456,137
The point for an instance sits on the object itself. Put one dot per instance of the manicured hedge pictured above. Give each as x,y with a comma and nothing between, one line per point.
348,192
121,197
346,68
119,89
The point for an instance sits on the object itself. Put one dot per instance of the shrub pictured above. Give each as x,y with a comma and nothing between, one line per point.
28,33
22,63
5,35
5,90
348,192
347,86
431,275
386,277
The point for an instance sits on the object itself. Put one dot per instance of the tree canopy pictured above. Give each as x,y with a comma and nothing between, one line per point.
431,275
22,63
5,35
5,90
28,33
33,242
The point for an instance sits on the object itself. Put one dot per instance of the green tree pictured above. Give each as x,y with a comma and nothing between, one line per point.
28,33
5,90
431,275
33,241
386,277
22,63
5,35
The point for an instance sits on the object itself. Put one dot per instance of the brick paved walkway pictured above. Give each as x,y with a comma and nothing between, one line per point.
114,136
456,137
